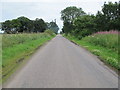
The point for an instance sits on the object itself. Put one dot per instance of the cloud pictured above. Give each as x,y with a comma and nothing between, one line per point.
33,1
50,1
46,9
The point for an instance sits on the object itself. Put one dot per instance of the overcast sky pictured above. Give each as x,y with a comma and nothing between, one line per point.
45,9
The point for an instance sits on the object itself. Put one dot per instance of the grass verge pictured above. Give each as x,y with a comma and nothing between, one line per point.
14,54
108,56
0,58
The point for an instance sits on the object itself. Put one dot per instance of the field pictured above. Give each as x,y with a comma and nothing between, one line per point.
18,47
102,44
0,57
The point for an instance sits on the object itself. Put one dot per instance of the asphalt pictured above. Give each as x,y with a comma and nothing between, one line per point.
62,64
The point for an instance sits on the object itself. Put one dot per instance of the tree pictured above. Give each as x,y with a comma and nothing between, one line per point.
79,24
109,17
19,25
84,25
25,24
67,27
53,26
68,15
15,25
39,25
7,26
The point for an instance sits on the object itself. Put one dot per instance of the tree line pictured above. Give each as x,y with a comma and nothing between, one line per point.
25,25
80,24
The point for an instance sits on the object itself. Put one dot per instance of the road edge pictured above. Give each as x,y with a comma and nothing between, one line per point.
23,62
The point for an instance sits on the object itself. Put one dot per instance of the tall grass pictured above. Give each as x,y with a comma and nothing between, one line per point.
9,40
107,40
102,44
0,57
16,47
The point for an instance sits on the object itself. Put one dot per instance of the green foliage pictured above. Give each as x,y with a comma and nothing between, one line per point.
6,26
53,26
61,32
0,51
9,40
68,15
84,25
23,25
67,28
105,53
39,25
109,41
79,24
16,47
50,32
108,18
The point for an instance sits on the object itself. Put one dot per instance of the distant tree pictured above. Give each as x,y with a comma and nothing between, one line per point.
39,25
68,15
25,24
15,25
53,26
67,27
61,32
7,26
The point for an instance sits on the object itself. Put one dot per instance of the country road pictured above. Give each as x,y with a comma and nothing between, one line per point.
62,64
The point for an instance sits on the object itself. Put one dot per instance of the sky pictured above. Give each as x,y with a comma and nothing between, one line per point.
48,10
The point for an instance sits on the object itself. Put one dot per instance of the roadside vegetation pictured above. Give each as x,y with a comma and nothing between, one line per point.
21,38
18,47
98,33
104,45
0,58
25,25
80,24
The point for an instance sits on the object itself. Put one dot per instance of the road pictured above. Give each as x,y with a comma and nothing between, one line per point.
62,64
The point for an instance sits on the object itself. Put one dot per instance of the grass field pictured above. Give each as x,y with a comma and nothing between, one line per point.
0,58
104,45
17,47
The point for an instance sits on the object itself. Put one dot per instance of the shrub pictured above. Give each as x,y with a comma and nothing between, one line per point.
50,32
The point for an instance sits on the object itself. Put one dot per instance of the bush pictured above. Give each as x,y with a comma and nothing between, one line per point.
50,32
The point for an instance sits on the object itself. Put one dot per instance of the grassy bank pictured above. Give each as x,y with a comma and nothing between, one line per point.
0,58
105,46
17,47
